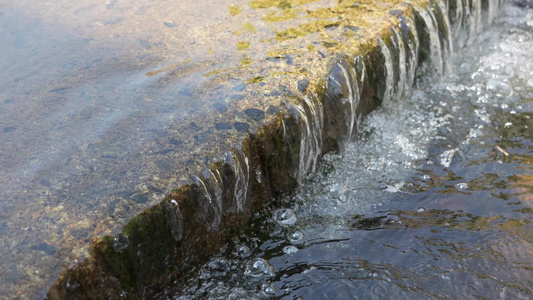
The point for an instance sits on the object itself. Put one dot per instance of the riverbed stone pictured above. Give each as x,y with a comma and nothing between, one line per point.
282,73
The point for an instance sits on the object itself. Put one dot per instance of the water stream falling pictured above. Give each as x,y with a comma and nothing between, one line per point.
433,200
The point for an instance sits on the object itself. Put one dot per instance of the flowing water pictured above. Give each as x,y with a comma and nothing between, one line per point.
433,201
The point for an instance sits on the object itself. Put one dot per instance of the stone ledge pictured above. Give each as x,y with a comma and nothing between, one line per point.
166,241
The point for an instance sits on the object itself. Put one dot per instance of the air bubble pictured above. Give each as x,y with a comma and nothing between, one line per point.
343,199
219,265
349,196
120,243
295,237
285,217
290,249
446,157
243,251
337,190
461,186
499,87
258,268
268,290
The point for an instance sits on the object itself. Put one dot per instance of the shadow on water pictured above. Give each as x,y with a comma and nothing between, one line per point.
433,202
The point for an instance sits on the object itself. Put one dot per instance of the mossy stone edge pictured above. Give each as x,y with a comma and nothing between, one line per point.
168,240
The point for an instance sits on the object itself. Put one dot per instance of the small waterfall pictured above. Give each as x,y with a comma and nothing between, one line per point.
469,17
491,11
175,219
494,9
361,77
224,193
445,32
315,111
457,16
240,169
402,80
310,120
433,52
409,38
473,20
421,45
211,203
324,118
342,84
431,49
389,90
476,9
352,101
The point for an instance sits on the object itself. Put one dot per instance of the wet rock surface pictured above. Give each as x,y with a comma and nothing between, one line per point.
432,200
233,110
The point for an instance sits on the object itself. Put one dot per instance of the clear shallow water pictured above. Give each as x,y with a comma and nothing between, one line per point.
105,106
435,201
92,97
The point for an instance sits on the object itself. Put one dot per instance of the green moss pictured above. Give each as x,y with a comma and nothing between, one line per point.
280,16
243,45
305,29
278,3
247,27
235,10
256,79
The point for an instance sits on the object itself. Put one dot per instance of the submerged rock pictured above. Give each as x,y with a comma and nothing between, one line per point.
337,73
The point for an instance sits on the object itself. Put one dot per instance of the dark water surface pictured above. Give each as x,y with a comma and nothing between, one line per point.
435,201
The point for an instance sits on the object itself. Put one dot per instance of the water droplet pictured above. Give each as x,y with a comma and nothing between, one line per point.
295,237
285,217
343,199
268,290
120,243
259,267
243,251
446,157
290,249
